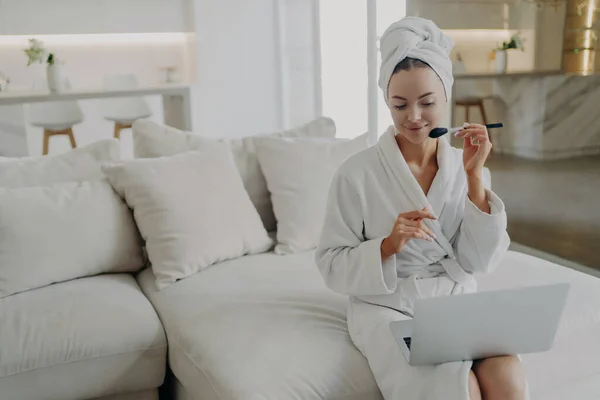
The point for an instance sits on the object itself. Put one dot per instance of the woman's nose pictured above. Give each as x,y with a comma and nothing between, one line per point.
414,114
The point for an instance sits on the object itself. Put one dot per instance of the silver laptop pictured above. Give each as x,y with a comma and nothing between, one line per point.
480,325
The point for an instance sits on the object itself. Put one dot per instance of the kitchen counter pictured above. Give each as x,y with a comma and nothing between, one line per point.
546,114
175,99
16,141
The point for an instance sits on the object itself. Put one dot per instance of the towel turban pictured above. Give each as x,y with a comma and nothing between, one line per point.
415,38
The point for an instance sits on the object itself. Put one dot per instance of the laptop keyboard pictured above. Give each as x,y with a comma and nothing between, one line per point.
407,341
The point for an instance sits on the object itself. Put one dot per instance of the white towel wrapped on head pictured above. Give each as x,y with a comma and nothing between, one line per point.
418,38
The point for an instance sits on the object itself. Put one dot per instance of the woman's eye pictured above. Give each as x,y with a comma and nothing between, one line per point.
400,107
429,104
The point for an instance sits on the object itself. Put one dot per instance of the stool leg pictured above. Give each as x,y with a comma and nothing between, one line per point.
482,110
467,107
483,116
119,127
46,142
69,132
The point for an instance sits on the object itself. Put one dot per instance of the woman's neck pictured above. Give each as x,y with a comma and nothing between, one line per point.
419,155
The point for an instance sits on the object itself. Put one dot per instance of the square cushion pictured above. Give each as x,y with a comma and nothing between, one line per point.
155,140
191,209
64,231
79,164
81,339
299,172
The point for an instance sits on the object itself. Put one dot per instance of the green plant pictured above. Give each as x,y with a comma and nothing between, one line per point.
515,42
36,53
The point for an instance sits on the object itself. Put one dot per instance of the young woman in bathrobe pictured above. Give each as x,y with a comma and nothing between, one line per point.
410,218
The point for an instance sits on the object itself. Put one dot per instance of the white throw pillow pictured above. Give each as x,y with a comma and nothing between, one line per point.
64,231
192,210
83,163
156,140
298,173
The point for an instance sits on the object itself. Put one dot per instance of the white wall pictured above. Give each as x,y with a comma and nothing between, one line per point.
298,32
237,90
37,17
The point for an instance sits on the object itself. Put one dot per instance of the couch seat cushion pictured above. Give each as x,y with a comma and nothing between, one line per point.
261,327
80,339
265,327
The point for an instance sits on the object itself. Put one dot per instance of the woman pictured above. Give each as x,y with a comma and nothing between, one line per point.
410,218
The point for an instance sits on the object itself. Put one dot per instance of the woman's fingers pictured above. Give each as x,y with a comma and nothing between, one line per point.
470,130
416,225
416,233
417,214
479,140
465,133
473,126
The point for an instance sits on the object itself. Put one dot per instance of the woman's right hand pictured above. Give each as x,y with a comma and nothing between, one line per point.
408,226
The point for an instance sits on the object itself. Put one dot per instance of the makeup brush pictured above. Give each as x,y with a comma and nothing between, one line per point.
437,132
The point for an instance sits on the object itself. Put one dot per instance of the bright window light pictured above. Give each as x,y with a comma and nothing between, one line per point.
388,11
344,63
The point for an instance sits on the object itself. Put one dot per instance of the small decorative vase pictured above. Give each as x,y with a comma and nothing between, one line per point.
500,61
54,77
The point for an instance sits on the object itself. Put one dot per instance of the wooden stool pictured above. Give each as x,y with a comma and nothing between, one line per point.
472,103
468,103
123,111
48,133
118,128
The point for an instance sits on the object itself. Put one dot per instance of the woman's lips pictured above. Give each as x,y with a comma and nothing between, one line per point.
413,128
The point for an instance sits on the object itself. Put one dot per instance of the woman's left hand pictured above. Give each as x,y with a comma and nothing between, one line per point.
477,147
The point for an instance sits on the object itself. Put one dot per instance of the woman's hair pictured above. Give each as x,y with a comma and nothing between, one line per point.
409,63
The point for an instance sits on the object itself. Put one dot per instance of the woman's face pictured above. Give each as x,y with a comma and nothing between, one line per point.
417,103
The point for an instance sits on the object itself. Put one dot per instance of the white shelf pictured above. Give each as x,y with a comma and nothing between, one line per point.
25,96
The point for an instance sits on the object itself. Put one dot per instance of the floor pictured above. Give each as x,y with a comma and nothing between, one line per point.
552,206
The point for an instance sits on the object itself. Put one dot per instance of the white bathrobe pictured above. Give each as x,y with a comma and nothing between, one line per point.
367,193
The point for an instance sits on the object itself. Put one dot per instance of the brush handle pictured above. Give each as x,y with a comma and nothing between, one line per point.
496,125
488,126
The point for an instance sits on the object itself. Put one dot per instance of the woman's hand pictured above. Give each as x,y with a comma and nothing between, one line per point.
477,147
407,226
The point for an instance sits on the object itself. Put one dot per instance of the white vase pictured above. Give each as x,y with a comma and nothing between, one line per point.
54,77
500,61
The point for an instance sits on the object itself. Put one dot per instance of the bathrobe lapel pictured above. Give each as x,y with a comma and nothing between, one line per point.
441,187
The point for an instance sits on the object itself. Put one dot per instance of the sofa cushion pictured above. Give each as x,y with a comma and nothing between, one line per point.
151,139
261,327
192,210
266,327
64,231
299,172
82,163
80,339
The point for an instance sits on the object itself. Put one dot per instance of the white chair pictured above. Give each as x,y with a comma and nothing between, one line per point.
123,111
55,117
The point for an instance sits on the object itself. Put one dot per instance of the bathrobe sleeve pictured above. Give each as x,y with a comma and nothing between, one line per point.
482,239
350,264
